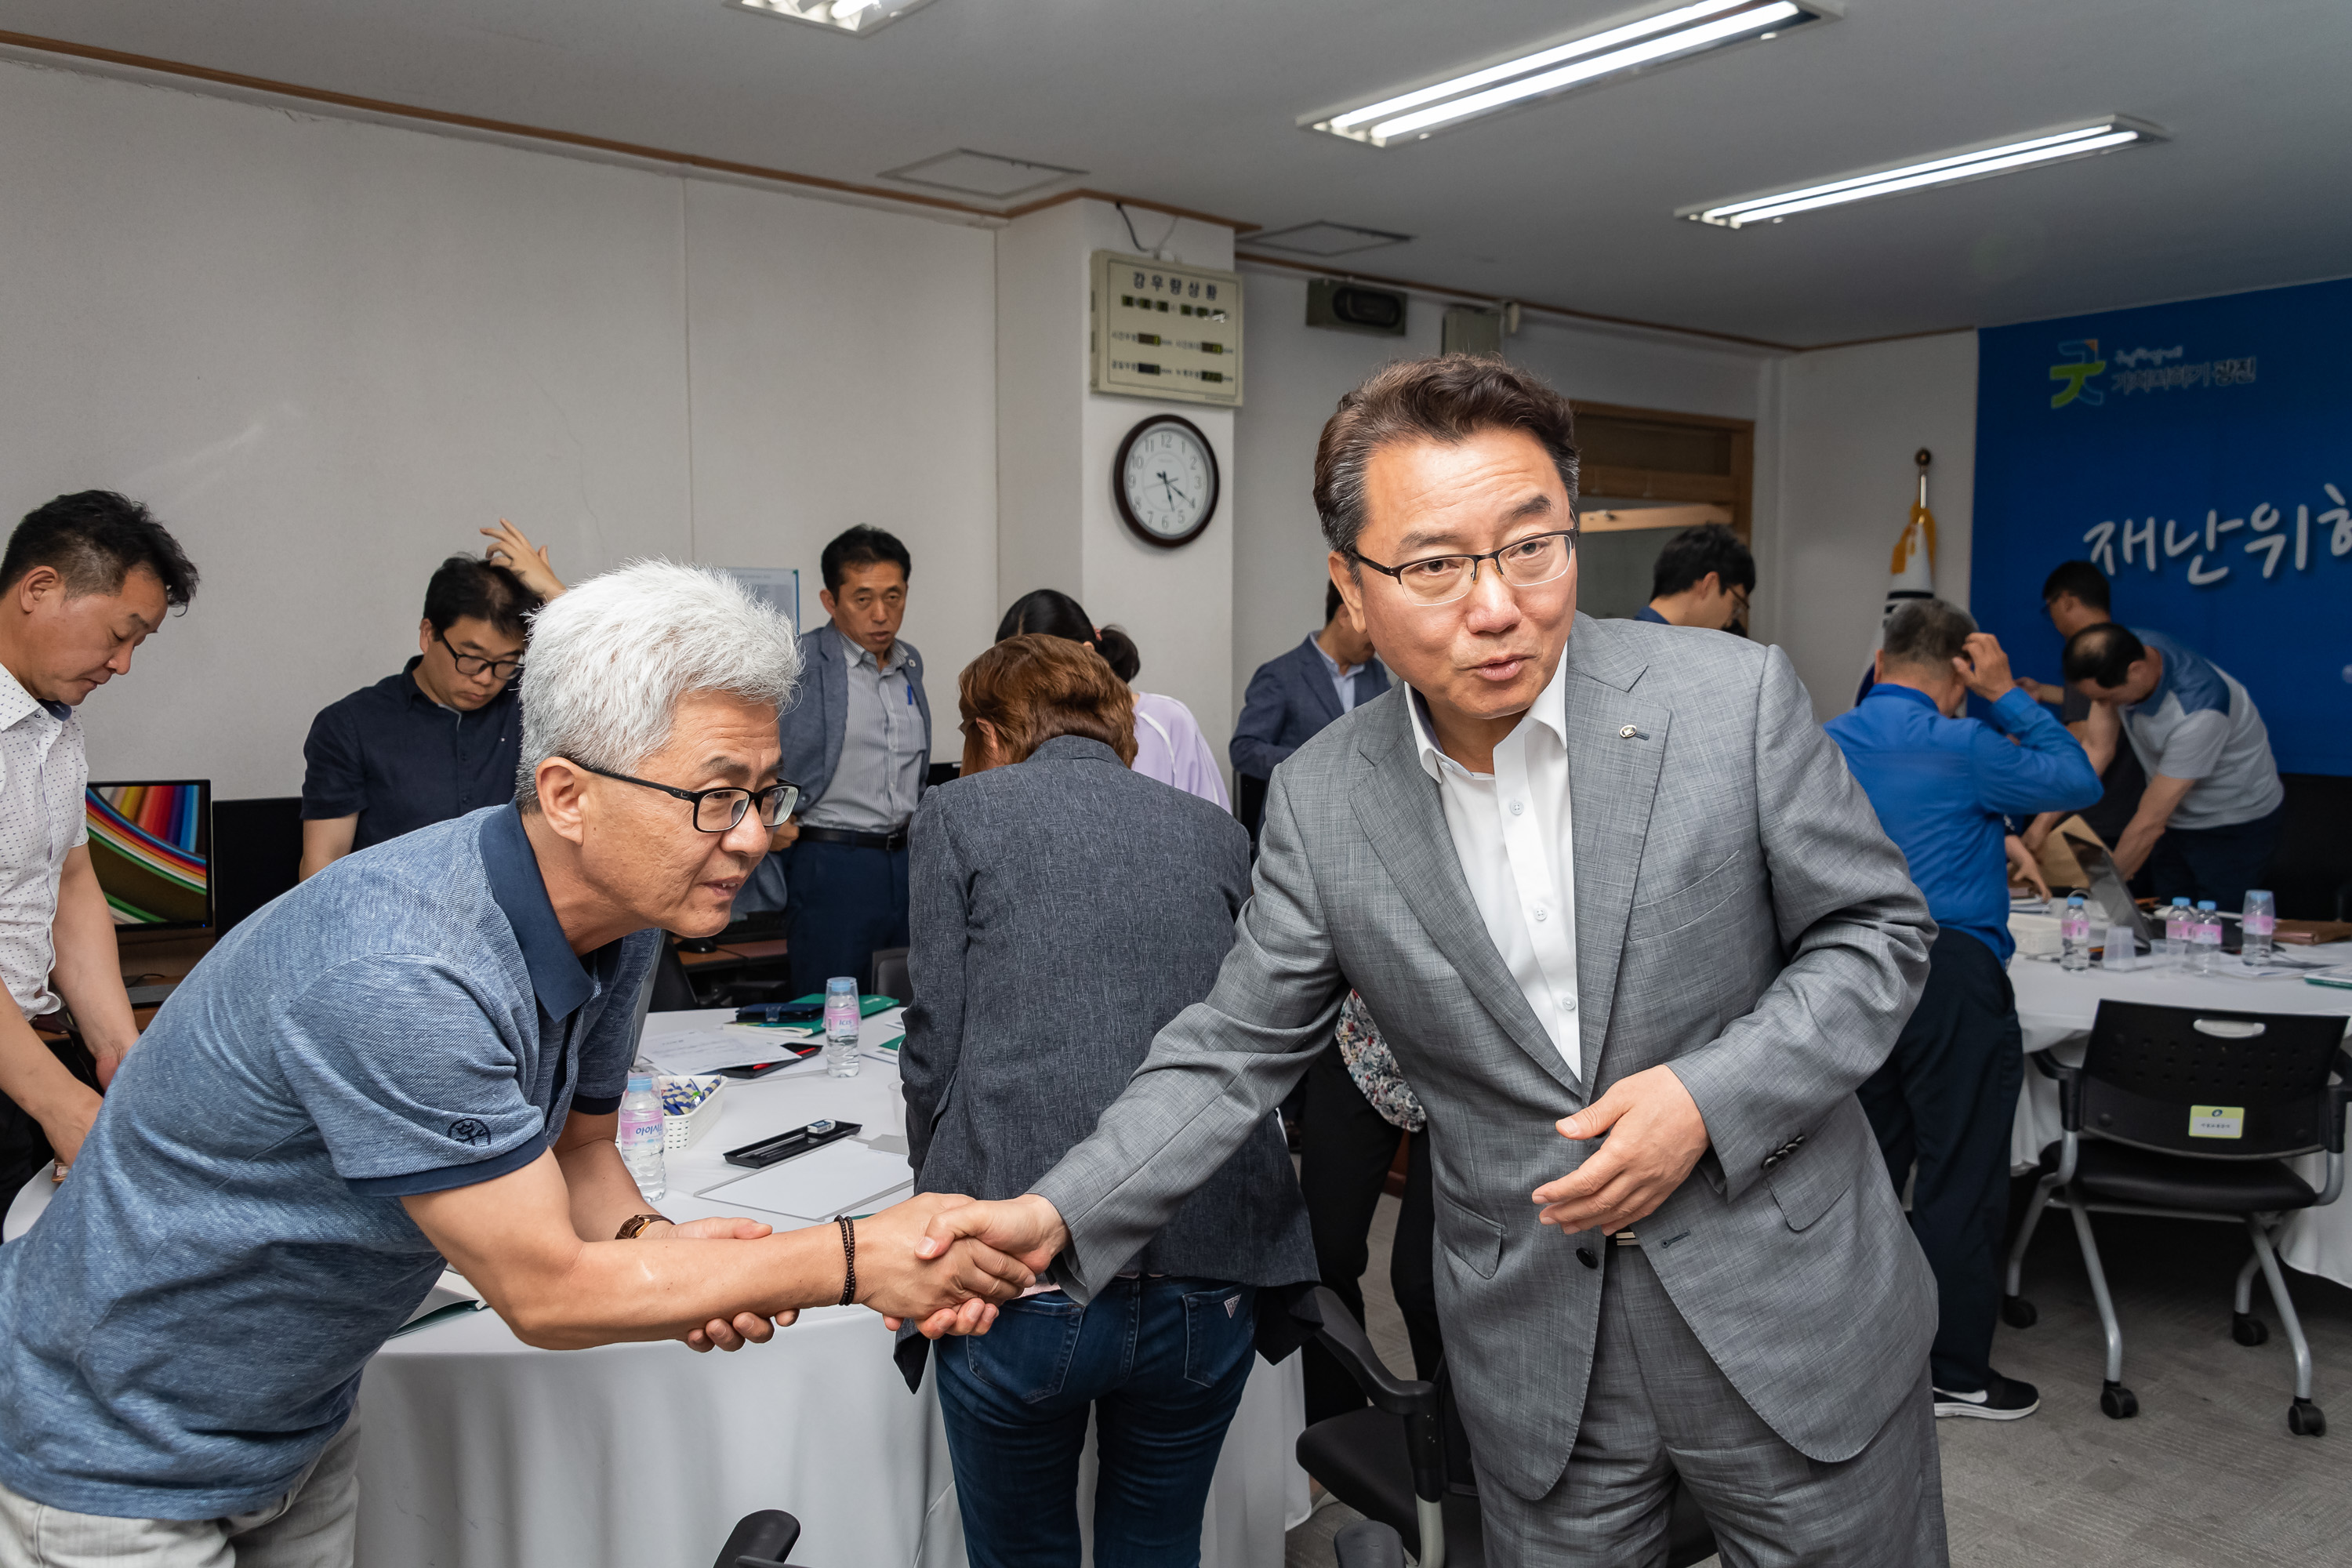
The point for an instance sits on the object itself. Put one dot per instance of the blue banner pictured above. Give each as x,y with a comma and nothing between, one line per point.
2202,454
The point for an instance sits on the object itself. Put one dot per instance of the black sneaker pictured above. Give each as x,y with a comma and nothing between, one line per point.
2005,1400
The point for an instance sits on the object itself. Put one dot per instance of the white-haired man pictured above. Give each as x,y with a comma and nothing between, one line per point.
417,1054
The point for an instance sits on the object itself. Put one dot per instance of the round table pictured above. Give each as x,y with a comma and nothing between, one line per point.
2055,1009
478,1451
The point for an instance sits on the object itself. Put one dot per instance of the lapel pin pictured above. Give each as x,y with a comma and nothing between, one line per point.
1628,732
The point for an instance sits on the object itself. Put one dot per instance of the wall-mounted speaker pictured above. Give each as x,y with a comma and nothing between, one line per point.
1355,308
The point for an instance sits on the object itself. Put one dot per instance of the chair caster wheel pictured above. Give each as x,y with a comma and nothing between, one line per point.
2121,1403
2247,1329
2018,1313
2304,1419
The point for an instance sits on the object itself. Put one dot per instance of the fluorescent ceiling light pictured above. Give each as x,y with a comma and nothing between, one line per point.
1974,164
1646,40
857,18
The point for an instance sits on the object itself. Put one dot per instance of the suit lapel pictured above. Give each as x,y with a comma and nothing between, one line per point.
834,677
1319,690
1402,817
1613,782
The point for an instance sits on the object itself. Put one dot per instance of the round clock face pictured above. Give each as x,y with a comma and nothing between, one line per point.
1166,480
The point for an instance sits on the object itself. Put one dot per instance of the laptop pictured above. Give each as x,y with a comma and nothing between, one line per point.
2116,905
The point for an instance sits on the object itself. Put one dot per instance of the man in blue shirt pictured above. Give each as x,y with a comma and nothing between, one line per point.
441,738
1947,1097
1291,698
417,1056
1703,578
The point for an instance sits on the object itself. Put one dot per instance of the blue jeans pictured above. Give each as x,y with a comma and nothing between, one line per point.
1162,1362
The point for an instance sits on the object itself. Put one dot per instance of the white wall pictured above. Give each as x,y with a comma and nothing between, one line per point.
1845,424
326,351
1296,376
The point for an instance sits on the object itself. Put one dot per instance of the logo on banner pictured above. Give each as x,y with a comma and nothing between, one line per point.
2137,370
2081,364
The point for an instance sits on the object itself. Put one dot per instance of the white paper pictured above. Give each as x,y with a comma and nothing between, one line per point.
449,1291
835,1179
692,1051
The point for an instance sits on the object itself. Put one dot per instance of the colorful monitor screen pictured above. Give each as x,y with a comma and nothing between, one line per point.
152,845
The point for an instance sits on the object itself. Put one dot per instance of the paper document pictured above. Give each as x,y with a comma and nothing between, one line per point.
840,1178
708,1050
450,1296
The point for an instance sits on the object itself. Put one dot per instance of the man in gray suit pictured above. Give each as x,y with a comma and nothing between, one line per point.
857,742
1671,989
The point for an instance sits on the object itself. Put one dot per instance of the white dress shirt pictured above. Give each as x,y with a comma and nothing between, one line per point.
1511,833
43,771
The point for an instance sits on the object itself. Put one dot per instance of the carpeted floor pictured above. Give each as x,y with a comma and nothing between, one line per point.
2206,1474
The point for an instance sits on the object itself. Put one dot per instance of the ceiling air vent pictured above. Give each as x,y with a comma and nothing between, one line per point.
989,175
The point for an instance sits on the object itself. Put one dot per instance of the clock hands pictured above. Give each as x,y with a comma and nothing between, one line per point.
1173,493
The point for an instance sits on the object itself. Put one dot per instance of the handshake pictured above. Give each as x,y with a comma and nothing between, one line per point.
940,1261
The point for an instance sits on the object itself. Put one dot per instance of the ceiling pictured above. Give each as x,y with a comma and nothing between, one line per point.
1194,103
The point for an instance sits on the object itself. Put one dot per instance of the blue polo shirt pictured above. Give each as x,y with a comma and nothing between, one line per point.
399,760
1646,614
183,1330
1941,787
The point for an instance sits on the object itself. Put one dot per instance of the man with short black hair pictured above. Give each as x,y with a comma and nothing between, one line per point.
1292,698
86,579
442,737
1703,578
1946,1098
2210,815
857,742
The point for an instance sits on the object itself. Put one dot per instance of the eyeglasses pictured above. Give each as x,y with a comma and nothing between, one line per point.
471,665
1522,563
719,810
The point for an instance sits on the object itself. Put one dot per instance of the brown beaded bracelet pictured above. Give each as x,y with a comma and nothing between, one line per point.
848,1258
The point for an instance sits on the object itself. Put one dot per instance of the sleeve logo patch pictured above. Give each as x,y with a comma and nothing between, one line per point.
2217,1121
465,1130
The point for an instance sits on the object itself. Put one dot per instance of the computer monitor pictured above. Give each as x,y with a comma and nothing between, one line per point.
151,842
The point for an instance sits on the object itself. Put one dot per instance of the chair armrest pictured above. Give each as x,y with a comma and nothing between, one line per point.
2070,1086
1346,1340
2339,1095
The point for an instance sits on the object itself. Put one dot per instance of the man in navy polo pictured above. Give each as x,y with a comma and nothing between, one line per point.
1703,578
415,1057
1942,785
442,737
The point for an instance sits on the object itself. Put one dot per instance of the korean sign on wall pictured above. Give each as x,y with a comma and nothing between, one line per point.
2202,455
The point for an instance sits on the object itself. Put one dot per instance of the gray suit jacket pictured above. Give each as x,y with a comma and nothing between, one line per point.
1739,916
811,728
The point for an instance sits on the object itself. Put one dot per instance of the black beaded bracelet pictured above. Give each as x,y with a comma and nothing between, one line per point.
848,1258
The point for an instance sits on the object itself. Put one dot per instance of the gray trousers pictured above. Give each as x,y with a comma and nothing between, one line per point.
314,1525
1657,1407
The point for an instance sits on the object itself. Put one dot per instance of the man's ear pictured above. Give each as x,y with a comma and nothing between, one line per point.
40,582
425,637
1878,666
1351,592
562,787
824,597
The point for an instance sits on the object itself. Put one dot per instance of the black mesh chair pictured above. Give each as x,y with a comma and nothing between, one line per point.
759,1541
891,974
2190,1114
1403,1463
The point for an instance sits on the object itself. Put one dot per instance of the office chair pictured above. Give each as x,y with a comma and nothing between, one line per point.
891,974
1367,1544
2191,1113
759,1541
1418,1482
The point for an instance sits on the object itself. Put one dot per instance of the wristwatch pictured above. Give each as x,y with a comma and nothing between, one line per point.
636,1223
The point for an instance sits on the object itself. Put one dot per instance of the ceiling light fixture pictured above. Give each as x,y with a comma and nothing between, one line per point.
856,17
2102,135
1654,38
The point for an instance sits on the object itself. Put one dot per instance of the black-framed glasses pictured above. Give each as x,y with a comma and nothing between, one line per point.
1522,563
719,810
470,665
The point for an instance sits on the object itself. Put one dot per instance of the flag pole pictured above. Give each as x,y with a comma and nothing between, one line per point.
1923,457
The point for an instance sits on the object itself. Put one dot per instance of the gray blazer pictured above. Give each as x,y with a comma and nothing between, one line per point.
1740,915
1063,911
811,728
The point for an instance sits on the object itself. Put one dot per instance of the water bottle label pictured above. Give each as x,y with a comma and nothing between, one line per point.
2076,928
2261,924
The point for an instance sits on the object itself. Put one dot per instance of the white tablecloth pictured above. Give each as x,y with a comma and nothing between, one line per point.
478,1451
2055,1007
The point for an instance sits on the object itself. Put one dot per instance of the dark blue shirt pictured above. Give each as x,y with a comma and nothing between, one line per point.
1941,787
186,1325
399,760
1646,614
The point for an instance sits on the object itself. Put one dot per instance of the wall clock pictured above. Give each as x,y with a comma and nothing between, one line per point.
1165,479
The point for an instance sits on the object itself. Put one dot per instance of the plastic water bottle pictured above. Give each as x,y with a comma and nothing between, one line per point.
2260,921
2177,921
841,1027
2209,938
2074,935
641,1136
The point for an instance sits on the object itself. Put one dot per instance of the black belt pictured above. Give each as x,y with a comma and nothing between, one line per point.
855,840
